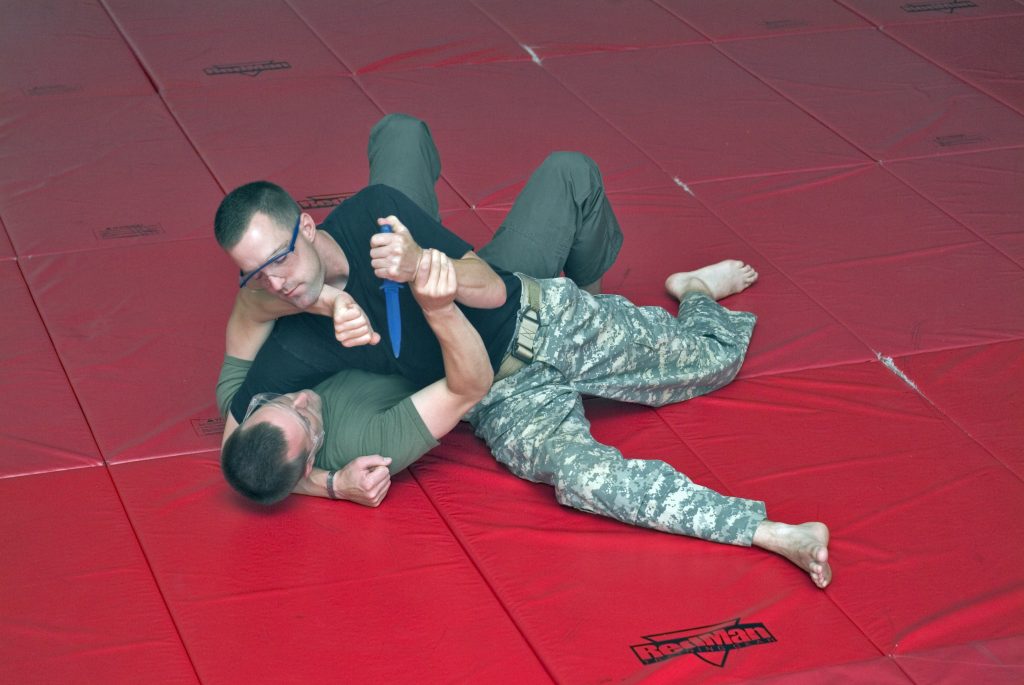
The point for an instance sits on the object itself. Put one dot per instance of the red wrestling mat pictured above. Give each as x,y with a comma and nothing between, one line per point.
567,27
418,34
388,591
980,52
727,19
707,136
160,359
847,79
34,391
100,172
78,600
871,175
228,42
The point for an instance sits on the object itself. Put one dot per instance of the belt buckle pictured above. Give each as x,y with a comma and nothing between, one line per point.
528,327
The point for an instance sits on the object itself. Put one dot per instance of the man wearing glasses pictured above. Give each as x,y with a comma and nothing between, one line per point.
545,343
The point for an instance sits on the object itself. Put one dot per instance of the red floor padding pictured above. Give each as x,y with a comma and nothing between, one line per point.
144,366
35,393
982,52
57,48
866,156
858,447
696,124
979,388
980,190
418,34
78,601
887,12
901,274
727,19
526,116
236,41
566,27
387,593
574,582
99,172
856,82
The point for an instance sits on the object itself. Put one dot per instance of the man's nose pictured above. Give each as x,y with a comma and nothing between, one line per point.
276,283
300,400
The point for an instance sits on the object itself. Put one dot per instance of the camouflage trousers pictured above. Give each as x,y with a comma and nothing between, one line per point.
605,346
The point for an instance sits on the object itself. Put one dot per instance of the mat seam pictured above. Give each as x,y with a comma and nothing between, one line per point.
483,576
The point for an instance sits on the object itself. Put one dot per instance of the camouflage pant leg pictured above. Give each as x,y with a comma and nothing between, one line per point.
609,347
534,424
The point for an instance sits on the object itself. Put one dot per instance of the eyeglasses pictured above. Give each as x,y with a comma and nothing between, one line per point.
265,399
276,258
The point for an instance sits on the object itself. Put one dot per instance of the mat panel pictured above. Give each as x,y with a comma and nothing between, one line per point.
667,230
879,95
980,190
418,34
585,589
54,48
308,137
221,44
649,95
494,124
77,601
993,662
316,591
566,27
891,267
728,19
6,249
984,53
100,172
140,332
886,12
35,396
897,483
982,390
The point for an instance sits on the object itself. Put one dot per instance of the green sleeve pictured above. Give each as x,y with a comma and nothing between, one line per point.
232,375
367,413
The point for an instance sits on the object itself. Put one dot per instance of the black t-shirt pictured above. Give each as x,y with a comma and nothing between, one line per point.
302,351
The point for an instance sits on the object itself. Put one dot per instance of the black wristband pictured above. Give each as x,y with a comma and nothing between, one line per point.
330,485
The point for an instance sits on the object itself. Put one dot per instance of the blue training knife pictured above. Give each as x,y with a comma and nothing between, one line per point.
390,289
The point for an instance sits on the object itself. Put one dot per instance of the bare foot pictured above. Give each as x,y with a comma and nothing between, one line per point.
806,545
717,280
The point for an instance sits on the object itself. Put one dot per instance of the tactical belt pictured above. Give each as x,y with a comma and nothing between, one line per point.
522,351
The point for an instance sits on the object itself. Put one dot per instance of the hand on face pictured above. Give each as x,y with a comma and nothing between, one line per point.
351,325
394,255
364,480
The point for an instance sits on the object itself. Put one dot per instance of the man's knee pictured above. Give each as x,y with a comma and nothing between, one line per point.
400,125
570,164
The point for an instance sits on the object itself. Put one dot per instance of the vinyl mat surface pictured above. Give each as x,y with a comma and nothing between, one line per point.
867,156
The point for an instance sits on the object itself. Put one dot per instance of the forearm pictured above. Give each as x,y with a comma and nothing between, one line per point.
315,484
479,286
467,367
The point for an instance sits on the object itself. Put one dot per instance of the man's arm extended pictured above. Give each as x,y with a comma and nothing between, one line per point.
468,377
396,256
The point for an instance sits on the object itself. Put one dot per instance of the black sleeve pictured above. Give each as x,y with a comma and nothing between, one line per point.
290,360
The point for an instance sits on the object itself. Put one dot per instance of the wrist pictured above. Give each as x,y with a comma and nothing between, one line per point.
329,485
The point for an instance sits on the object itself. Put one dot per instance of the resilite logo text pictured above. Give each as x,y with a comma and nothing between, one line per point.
711,644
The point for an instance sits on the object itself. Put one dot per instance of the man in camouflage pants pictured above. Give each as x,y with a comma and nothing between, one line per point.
578,342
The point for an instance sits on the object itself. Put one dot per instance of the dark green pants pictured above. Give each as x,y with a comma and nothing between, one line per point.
561,223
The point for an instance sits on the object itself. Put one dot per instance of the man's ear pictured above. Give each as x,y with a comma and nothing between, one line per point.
307,226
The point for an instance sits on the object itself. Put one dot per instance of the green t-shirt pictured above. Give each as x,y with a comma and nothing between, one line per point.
364,413
367,413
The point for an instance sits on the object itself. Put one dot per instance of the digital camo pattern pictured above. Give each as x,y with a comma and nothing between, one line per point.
533,421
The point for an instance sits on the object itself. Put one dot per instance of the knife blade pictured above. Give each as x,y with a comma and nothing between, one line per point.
390,289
